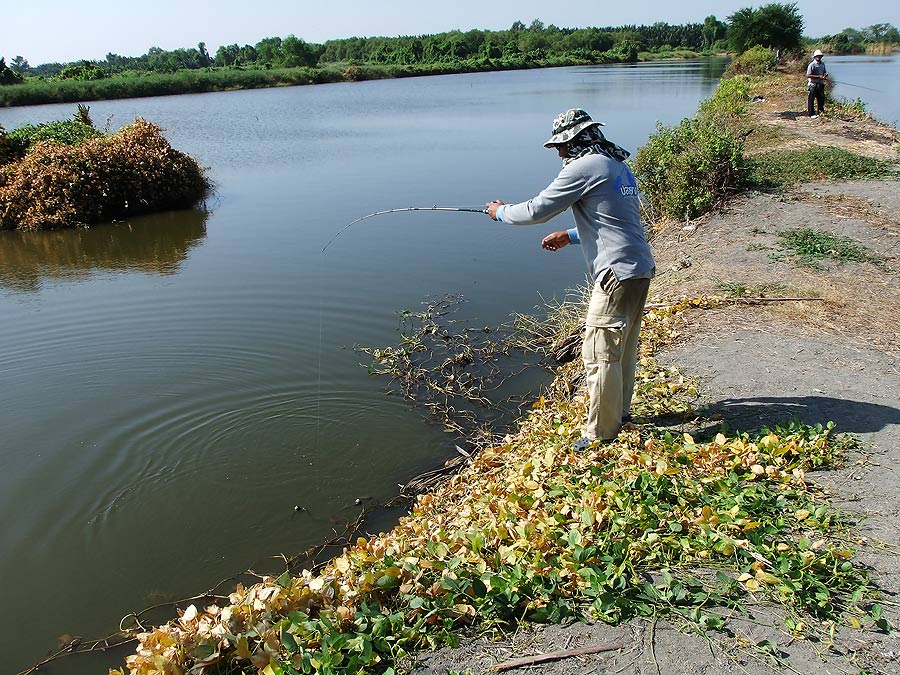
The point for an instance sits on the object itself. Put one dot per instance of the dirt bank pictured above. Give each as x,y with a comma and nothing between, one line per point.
833,355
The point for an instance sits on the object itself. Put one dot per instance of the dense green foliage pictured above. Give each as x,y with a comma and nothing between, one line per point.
687,169
776,25
85,70
275,61
855,41
755,61
729,100
69,132
160,84
8,75
531,43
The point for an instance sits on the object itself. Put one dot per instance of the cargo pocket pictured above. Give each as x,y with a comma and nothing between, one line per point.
603,339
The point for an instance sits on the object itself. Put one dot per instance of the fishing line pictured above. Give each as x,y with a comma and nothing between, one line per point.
858,86
463,209
408,208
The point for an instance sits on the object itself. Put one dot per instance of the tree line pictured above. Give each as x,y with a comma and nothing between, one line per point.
535,41
775,25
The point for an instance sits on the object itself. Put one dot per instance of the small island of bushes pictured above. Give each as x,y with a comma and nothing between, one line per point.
68,173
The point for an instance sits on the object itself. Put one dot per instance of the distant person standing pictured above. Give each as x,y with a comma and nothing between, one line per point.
815,78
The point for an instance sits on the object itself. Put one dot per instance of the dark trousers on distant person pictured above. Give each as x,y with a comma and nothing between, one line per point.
816,96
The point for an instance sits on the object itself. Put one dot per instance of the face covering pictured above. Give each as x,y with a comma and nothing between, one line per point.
591,141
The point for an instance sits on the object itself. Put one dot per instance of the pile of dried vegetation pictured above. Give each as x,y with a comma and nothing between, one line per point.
66,174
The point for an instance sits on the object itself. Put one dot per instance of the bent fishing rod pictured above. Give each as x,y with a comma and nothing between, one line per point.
408,208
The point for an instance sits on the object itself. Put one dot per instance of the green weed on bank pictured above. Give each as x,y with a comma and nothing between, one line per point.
782,169
811,245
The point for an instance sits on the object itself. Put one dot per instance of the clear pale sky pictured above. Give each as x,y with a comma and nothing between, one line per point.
62,30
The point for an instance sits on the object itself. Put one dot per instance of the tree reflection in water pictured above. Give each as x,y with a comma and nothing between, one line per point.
154,244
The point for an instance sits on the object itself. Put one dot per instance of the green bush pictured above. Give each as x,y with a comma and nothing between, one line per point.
103,178
8,75
83,71
14,144
688,169
755,61
9,149
729,100
70,132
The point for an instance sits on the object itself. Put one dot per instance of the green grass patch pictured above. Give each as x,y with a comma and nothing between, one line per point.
812,245
784,169
740,289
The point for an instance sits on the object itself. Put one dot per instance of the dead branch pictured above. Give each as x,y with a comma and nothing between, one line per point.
738,301
555,656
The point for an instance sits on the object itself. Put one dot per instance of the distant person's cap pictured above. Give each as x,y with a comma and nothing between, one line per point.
568,125
818,52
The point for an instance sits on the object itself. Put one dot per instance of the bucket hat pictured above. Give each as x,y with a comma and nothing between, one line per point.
818,52
568,125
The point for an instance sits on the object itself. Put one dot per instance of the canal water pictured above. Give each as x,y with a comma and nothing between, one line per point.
870,78
173,386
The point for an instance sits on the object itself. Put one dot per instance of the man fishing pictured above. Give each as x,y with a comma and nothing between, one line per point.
815,78
600,188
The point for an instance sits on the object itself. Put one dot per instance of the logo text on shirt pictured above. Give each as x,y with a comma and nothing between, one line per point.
626,184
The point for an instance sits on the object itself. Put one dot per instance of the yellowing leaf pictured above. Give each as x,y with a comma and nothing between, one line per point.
801,514
688,438
752,585
767,578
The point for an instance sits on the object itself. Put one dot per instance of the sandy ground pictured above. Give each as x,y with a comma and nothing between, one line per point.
834,356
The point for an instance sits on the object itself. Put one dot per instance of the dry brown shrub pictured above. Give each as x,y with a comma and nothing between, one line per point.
130,172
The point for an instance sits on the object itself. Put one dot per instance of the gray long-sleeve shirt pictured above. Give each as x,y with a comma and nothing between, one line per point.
604,199
815,68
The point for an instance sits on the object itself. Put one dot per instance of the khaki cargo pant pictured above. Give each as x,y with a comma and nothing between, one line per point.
609,351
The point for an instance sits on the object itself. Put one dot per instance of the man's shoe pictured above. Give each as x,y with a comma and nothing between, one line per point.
581,444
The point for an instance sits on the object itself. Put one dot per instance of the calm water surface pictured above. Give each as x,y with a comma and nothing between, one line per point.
870,78
172,386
